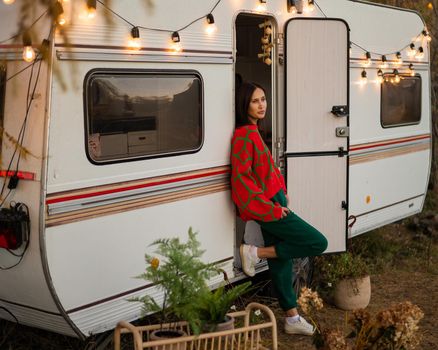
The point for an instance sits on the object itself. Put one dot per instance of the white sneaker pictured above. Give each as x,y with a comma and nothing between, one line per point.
299,327
248,261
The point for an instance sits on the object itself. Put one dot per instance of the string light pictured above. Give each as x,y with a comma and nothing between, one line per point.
430,6
311,5
411,70
399,58
58,13
91,8
363,77
28,51
135,42
291,6
211,26
8,2
412,51
261,7
426,35
367,58
396,76
380,79
176,42
384,62
420,53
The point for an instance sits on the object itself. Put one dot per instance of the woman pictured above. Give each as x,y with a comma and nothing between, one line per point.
259,191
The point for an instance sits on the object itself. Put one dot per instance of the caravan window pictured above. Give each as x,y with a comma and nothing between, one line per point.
138,114
401,102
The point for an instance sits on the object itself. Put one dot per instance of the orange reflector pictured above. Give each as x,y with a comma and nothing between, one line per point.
24,175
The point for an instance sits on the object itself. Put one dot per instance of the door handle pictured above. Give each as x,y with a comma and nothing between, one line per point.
340,111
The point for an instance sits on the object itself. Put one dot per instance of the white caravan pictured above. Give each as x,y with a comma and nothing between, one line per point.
137,146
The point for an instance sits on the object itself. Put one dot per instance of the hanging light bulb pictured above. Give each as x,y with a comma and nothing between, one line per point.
380,79
396,76
292,6
310,5
58,13
412,51
134,42
420,53
399,58
411,70
426,35
211,26
28,51
8,2
91,9
430,6
363,77
261,7
367,58
176,42
384,62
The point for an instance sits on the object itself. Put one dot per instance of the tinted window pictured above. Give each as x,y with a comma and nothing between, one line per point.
133,115
401,102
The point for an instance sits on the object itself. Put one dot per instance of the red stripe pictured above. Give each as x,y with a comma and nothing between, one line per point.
133,187
24,175
390,143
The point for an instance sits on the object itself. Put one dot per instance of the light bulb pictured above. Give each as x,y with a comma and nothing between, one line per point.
380,79
134,43
363,77
420,53
412,51
411,70
91,12
28,54
367,58
396,76
384,62
62,20
8,2
311,6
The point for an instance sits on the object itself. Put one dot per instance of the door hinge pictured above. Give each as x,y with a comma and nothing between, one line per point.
344,205
343,131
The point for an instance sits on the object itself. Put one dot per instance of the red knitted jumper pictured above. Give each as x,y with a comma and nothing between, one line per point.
254,177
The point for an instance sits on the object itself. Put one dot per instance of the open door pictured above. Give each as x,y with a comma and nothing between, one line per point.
317,134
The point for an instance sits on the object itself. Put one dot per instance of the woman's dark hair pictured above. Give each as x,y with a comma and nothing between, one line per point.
243,100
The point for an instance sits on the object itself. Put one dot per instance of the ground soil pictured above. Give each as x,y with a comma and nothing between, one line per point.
391,286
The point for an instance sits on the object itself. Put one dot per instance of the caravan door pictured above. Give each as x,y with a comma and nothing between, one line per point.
316,126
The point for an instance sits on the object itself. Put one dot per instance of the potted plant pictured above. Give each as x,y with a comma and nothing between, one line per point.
348,275
213,306
182,276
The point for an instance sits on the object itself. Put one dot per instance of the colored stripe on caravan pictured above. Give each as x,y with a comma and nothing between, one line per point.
390,148
88,203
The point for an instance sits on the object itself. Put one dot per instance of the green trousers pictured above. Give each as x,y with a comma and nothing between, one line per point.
292,237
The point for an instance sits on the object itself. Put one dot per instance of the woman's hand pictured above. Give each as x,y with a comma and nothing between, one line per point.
284,212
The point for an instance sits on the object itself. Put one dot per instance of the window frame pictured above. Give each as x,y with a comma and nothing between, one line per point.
3,77
416,76
132,71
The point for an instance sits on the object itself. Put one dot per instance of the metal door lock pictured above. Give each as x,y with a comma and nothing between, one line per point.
340,111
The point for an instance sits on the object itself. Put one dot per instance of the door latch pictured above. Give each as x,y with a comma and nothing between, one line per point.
342,131
340,111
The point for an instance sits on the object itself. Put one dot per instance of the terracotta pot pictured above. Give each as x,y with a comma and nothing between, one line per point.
164,334
224,326
352,294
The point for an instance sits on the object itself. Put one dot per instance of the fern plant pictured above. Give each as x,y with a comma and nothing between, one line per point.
181,275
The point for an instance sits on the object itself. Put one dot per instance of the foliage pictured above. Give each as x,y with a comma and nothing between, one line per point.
394,328
335,267
181,275
212,307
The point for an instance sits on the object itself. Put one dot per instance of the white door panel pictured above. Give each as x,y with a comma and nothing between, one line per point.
316,156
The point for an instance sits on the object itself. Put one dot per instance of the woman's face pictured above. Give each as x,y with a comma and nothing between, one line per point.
257,106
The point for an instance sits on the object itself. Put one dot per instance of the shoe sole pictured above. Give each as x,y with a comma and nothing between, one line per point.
298,333
244,267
